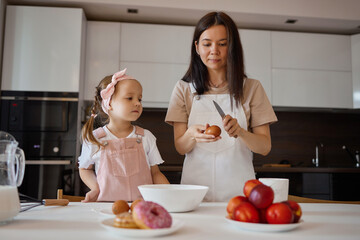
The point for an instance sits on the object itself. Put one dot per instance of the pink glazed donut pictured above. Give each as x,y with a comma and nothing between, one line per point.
150,215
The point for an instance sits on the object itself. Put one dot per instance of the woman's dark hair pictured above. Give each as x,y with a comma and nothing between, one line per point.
235,74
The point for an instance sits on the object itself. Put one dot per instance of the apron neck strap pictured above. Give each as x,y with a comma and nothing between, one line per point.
139,131
99,133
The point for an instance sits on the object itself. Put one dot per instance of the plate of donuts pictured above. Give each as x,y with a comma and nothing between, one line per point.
131,232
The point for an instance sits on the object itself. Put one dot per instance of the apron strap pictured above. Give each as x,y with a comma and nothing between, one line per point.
193,91
139,131
99,133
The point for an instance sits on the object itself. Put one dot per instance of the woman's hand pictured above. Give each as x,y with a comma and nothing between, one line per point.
186,138
258,141
197,133
91,196
231,126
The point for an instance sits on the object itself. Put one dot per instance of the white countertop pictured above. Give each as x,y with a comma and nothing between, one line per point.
82,221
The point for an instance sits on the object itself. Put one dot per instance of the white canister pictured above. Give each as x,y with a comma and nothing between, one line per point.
280,187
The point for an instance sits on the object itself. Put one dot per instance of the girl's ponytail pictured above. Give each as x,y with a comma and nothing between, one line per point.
96,111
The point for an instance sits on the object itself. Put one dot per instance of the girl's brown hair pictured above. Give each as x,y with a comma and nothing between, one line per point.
96,112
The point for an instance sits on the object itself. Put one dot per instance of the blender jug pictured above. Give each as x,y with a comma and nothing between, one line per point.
12,166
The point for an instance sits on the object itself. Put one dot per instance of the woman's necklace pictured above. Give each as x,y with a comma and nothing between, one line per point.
217,85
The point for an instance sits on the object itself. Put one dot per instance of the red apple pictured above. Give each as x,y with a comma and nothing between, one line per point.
233,203
213,130
262,215
261,196
279,213
249,185
246,212
296,209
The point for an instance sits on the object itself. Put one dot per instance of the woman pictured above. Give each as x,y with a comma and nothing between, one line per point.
216,72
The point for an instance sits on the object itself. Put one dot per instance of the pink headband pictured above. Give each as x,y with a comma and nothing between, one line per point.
107,93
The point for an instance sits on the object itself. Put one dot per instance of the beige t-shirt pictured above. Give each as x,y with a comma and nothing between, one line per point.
257,107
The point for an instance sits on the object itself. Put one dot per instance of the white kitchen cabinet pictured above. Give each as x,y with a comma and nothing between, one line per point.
257,54
158,56
355,56
157,80
311,51
42,49
155,43
311,88
102,54
311,70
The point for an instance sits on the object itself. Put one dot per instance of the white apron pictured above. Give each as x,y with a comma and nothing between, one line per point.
225,165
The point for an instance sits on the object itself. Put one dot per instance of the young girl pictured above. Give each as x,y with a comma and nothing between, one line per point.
118,157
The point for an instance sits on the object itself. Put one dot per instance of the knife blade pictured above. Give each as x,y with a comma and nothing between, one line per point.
221,112
218,108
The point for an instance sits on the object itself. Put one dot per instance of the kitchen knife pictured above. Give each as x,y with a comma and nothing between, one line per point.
218,108
221,112
47,202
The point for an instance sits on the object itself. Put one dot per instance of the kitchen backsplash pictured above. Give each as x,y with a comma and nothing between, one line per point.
294,136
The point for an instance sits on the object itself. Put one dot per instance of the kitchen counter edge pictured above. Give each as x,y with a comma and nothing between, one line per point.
284,169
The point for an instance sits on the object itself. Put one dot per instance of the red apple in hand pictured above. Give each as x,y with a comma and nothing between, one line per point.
296,209
249,185
213,130
261,196
246,212
279,213
233,203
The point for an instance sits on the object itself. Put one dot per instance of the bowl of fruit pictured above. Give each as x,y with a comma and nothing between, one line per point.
256,210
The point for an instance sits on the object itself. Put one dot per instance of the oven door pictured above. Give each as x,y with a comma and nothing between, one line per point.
43,177
38,115
37,111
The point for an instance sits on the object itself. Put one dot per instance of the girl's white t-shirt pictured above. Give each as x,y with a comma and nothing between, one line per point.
89,157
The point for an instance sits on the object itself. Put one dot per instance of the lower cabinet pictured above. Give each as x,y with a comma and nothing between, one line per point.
346,186
328,186
317,185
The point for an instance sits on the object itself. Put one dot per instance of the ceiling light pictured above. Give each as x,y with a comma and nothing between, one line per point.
132,10
291,21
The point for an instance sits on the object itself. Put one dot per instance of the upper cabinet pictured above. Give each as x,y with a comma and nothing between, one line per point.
157,56
355,59
311,51
43,49
155,43
312,88
102,54
257,54
311,70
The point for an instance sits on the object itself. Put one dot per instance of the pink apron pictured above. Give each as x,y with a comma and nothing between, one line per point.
123,167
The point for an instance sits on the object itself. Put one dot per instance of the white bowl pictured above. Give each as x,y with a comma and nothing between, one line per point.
174,197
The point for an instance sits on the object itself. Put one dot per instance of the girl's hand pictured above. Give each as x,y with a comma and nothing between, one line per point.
231,126
197,133
91,196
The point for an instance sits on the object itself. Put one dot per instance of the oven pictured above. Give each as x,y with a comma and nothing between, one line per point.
45,125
